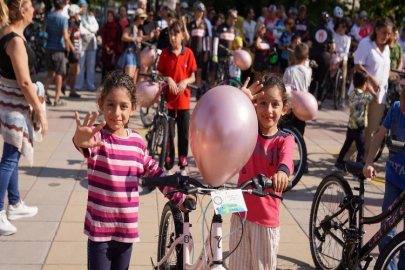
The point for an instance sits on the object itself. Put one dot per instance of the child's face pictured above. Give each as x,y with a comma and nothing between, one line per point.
176,39
269,109
295,43
238,48
117,109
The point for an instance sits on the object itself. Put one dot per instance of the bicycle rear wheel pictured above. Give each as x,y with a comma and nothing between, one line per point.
148,114
157,140
300,154
231,82
171,226
337,89
391,252
326,252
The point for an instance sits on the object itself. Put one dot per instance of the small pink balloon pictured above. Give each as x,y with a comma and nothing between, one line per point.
335,59
147,93
242,58
304,105
223,133
148,57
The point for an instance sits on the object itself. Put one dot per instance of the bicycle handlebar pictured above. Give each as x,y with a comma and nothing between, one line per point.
400,72
156,78
396,144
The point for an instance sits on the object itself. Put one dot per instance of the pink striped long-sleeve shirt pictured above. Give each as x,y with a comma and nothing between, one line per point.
114,170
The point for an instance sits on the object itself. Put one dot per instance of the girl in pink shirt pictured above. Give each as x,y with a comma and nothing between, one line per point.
117,158
273,157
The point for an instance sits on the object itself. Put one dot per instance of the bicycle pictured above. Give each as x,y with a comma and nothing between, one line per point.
333,84
339,224
174,246
223,70
148,114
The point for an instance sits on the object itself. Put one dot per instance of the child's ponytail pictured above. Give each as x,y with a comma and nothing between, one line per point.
4,13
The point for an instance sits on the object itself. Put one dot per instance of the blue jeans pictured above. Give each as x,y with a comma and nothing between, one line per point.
87,62
9,175
392,192
111,255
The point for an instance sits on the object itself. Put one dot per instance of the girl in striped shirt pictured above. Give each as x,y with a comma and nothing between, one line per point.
117,158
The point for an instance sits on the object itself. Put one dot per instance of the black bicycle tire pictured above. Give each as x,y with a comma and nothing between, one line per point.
145,123
303,148
337,90
319,191
178,227
390,250
162,157
229,81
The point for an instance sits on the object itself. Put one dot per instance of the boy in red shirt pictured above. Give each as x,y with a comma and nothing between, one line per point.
177,66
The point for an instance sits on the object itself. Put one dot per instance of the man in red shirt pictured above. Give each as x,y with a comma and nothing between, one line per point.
177,66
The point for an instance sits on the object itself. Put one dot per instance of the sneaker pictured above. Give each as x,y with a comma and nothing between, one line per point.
21,211
169,172
59,103
63,89
74,95
6,228
48,100
183,172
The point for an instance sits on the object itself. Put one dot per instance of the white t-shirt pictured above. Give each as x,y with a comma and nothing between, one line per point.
355,32
402,43
342,43
298,75
331,25
249,29
162,23
234,71
376,63
65,11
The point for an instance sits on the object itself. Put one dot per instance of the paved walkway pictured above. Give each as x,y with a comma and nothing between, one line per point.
57,184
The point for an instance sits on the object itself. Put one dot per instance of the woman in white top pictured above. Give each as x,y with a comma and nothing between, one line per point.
87,57
373,56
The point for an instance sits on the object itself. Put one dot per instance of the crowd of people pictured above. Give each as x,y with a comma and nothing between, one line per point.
193,46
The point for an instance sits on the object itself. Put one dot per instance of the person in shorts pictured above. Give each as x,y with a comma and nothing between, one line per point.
57,44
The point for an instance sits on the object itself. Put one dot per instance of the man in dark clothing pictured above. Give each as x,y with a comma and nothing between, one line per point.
148,27
164,39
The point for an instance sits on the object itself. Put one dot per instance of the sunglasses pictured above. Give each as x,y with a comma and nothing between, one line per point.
151,15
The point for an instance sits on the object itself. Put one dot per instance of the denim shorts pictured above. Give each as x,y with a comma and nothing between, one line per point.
130,60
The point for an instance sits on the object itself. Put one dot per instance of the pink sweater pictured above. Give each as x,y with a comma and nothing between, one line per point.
113,171
272,153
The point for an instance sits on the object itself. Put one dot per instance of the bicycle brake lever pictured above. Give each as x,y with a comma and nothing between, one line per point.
273,195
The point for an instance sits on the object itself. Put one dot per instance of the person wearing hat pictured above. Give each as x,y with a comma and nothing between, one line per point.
164,12
87,59
292,13
302,24
132,37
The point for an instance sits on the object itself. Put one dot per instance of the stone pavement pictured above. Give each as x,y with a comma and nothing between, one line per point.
57,184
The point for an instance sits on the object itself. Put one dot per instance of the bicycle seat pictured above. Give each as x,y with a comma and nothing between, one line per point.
355,168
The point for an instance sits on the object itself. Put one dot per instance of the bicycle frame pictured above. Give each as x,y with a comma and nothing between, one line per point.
398,208
185,240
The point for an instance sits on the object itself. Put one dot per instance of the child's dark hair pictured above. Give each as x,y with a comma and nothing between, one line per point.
114,80
301,52
337,24
360,77
270,80
295,37
176,27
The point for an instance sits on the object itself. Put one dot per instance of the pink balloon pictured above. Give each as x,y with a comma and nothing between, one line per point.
304,105
242,58
147,93
148,57
223,133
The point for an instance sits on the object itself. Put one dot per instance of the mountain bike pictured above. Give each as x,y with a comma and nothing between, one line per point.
175,238
148,114
336,236
223,70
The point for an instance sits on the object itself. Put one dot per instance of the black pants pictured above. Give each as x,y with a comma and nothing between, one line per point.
319,74
111,255
356,135
182,118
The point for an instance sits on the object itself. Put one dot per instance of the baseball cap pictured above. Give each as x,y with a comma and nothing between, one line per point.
303,6
272,8
165,7
184,5
362,14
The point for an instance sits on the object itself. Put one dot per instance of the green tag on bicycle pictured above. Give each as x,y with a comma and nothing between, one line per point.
228,201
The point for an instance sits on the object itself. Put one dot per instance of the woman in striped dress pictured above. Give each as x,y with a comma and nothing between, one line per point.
19,103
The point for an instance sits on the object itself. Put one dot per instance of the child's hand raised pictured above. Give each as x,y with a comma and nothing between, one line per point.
252,90
84,133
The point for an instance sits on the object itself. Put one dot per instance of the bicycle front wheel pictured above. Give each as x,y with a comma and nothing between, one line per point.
300,154
327,252
231,82
171,226
391,252
337,89
148,114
